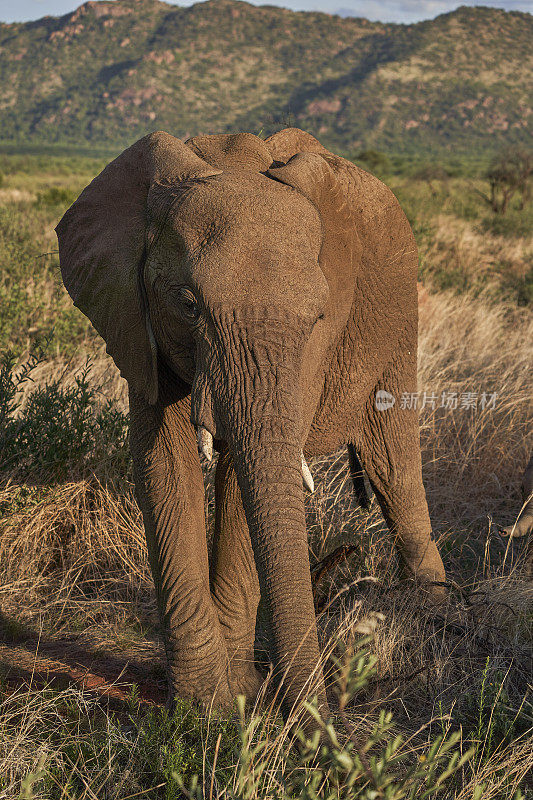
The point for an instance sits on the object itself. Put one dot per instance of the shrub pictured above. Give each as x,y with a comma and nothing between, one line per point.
58,429
512,224
55,196
374,160
321,765
430,173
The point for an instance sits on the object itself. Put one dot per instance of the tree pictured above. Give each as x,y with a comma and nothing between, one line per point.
430,173
510,172
374,160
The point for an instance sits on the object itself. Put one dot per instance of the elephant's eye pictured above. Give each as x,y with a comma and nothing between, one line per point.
188,304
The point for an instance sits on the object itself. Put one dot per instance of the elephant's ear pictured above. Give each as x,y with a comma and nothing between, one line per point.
284,144
361,218
232,151
312,176
343,193
102,245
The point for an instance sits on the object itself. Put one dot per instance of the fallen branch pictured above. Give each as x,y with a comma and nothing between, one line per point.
331,561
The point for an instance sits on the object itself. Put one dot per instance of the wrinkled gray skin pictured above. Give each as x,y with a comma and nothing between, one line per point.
262,291
524,524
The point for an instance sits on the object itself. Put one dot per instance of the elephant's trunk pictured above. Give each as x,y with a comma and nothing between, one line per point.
256,403
269,475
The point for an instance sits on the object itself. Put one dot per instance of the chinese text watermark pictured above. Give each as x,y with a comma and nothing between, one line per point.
451,401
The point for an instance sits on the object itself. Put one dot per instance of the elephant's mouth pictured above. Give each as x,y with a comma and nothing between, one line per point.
205,443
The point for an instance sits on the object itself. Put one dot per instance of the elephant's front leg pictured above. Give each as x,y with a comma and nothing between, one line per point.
234,581
170,492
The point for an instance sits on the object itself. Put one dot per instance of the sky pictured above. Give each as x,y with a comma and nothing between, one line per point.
382,10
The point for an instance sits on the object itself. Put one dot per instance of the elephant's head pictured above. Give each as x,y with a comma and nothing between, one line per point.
209,260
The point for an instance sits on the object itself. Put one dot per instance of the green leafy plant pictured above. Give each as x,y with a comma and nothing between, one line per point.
515,223
57,429
55,196
323,764
374,160
32,778
432,174
490,721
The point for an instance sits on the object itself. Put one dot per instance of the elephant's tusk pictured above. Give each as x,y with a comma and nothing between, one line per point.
306,475
205,443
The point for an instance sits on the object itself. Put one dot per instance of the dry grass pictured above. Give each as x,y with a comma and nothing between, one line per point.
472,457
78,612
462,256
78,625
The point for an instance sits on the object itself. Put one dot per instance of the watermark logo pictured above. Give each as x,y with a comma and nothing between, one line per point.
384,400
450,401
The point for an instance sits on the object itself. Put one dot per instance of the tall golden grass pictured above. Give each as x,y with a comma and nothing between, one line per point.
74,570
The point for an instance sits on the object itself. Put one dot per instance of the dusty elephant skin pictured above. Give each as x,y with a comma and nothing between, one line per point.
261,293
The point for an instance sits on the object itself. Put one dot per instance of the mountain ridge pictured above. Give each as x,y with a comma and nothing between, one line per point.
113,70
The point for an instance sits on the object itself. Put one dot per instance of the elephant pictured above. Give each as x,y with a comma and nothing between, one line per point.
256,295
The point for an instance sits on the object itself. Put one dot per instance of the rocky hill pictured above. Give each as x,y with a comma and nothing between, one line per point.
116,69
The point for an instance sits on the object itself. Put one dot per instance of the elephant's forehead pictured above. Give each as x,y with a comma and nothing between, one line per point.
249,238
246,213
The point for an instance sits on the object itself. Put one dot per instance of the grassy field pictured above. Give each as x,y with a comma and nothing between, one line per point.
82,678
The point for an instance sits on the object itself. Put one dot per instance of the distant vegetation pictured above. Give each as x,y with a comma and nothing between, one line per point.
111,71
445,204
509,173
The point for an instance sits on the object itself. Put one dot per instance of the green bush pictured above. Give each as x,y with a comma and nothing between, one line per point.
513,224
243,756
434,175
489,719
171,744
466,206
164,743
510,172
55,196
58,430
328,766
374,161
518,287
